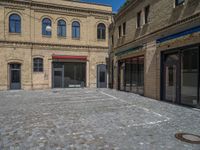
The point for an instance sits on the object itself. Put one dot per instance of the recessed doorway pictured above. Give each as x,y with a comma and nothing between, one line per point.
15,76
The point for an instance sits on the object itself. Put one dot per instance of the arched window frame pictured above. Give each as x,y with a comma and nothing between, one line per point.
38,64
75,30
46,22
14,23
61,28
101,31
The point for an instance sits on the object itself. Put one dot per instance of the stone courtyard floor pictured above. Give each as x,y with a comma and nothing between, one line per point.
92,119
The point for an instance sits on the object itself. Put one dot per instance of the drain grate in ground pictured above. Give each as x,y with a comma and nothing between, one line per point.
189,138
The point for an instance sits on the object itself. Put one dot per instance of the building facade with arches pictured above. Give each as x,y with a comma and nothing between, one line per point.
52,44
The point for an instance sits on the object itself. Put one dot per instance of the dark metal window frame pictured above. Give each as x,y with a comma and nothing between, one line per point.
131,71
77,28
101,31
162,60
61,26
38,64
13,21
46,22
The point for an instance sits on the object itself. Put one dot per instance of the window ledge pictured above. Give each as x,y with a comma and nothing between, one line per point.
62,37
46,36
15,33
38,72
101,40
75,38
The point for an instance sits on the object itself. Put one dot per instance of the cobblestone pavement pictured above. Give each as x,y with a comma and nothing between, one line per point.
91,119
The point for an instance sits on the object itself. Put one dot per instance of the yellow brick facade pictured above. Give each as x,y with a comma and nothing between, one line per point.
164,19
30,43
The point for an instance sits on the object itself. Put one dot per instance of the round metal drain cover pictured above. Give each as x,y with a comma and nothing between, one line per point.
189,138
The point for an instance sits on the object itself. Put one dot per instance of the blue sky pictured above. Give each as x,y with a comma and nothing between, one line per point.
114,3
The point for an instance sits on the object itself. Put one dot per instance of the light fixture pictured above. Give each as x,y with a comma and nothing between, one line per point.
48,28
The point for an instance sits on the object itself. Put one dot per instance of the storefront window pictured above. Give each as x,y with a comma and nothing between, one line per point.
141,75
134,75
189,75
128,75
131,72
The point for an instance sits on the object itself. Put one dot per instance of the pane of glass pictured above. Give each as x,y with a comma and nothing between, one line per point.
74,32
18,27
128,75
15,76
57,79
141,75
78,32
171,64
102,76
75,74
103,34
134,75
12,26
122,65
189,77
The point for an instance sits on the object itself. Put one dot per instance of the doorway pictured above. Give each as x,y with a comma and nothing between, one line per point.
69,74
101,76
180,76
15,76
171,77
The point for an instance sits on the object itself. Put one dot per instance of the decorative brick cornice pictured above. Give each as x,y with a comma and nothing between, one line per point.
50,46
48,6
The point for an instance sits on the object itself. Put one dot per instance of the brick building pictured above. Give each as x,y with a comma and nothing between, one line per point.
155,48
53,44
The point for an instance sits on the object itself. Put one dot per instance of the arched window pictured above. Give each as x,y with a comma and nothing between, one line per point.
38,65
61,28
46,22
101,31
14,23
76,30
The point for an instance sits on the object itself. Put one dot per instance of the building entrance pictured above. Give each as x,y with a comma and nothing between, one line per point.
180,76
15,76
69,74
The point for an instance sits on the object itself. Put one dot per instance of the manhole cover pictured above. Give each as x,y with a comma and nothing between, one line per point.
189,138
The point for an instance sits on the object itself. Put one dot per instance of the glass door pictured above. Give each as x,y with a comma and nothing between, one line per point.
189,76
171,84
101,76
15,76
121,75
58,75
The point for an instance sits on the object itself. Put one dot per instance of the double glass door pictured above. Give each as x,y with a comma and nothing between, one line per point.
181,77
171,75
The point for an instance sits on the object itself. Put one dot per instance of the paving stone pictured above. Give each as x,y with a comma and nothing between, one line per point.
89,119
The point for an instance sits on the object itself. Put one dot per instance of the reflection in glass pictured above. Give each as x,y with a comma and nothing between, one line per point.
128,75
75,74
134,75
69,74
141,75
121,72
171,64
189,76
